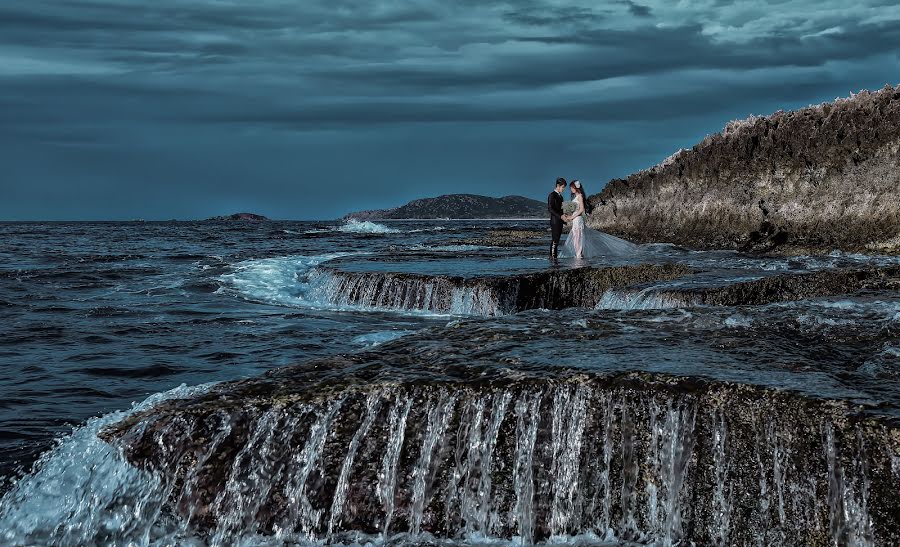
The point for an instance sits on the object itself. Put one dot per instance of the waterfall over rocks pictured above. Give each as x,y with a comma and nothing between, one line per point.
635,456
485,296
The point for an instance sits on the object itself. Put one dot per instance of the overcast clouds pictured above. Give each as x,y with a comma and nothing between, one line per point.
310,109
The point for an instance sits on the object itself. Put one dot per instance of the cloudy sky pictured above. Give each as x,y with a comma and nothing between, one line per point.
307,109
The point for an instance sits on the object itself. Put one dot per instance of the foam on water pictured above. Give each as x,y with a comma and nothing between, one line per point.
365,227
377,338
83,492
282,281
639,299
450,248
297,282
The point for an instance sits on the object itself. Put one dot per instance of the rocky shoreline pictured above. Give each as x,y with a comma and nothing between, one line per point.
820,178
455,430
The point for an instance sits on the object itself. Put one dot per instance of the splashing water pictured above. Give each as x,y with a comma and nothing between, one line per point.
365,227
83,492
397,463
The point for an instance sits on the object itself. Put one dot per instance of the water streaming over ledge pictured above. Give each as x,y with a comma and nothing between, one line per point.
643,459
399,292
448,451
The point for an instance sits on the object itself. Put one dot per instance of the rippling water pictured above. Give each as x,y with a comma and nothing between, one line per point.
97,316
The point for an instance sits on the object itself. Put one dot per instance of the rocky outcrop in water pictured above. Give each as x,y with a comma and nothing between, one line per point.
510,238
767,290
460,206
487,296
304,452
823,177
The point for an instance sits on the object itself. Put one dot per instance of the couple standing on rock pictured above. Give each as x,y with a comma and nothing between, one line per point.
582,242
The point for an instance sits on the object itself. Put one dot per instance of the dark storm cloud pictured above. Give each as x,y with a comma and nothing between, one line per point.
638,9
162,91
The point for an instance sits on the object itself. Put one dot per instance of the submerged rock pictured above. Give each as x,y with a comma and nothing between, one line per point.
824,177
511,238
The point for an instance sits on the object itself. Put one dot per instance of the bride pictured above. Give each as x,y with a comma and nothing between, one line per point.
585,242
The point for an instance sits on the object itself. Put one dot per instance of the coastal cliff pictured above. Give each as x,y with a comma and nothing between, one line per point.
820,178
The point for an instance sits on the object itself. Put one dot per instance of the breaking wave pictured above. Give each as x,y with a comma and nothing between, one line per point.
298,282
365,227
83,492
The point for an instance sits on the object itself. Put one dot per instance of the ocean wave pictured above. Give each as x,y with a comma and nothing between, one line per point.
297,282
283,281
106,500
365,227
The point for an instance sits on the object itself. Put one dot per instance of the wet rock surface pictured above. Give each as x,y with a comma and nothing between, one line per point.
778,288
823,177
483,428
645,286
487,295
511,238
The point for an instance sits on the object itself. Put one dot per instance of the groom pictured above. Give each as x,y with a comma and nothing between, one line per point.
557,218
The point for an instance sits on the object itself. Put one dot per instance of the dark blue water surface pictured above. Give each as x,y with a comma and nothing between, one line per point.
96,316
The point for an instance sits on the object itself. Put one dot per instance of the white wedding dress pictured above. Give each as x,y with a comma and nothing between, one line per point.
593,243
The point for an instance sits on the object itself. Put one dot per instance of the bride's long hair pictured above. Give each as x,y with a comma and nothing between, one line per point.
579,189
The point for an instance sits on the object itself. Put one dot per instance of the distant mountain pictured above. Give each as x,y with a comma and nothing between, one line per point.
240,216
459,206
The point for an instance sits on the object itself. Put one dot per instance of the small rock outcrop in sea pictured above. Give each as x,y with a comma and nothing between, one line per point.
459,206
508,238
240,216
488,295
644,286
824,177
767,290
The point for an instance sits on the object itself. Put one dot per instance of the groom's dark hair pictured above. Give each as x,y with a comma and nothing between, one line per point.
560,181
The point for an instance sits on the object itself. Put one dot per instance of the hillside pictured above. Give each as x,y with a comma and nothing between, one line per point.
460,206
823,177
239,216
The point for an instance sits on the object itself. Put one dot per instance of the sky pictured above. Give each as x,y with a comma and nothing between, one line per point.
309,109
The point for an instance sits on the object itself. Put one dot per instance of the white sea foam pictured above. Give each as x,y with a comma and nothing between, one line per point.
377,338
296,282
283,281
83,492
449,248
365,227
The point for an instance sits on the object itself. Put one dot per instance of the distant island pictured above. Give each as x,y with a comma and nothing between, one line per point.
240,216
459,206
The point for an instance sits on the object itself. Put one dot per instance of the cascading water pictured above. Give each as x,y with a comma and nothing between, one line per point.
309,282
644,460
650,298
402,292
575,426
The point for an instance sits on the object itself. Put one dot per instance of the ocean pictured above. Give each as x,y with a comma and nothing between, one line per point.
426,350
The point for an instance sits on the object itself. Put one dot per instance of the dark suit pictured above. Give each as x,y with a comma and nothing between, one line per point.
554,206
